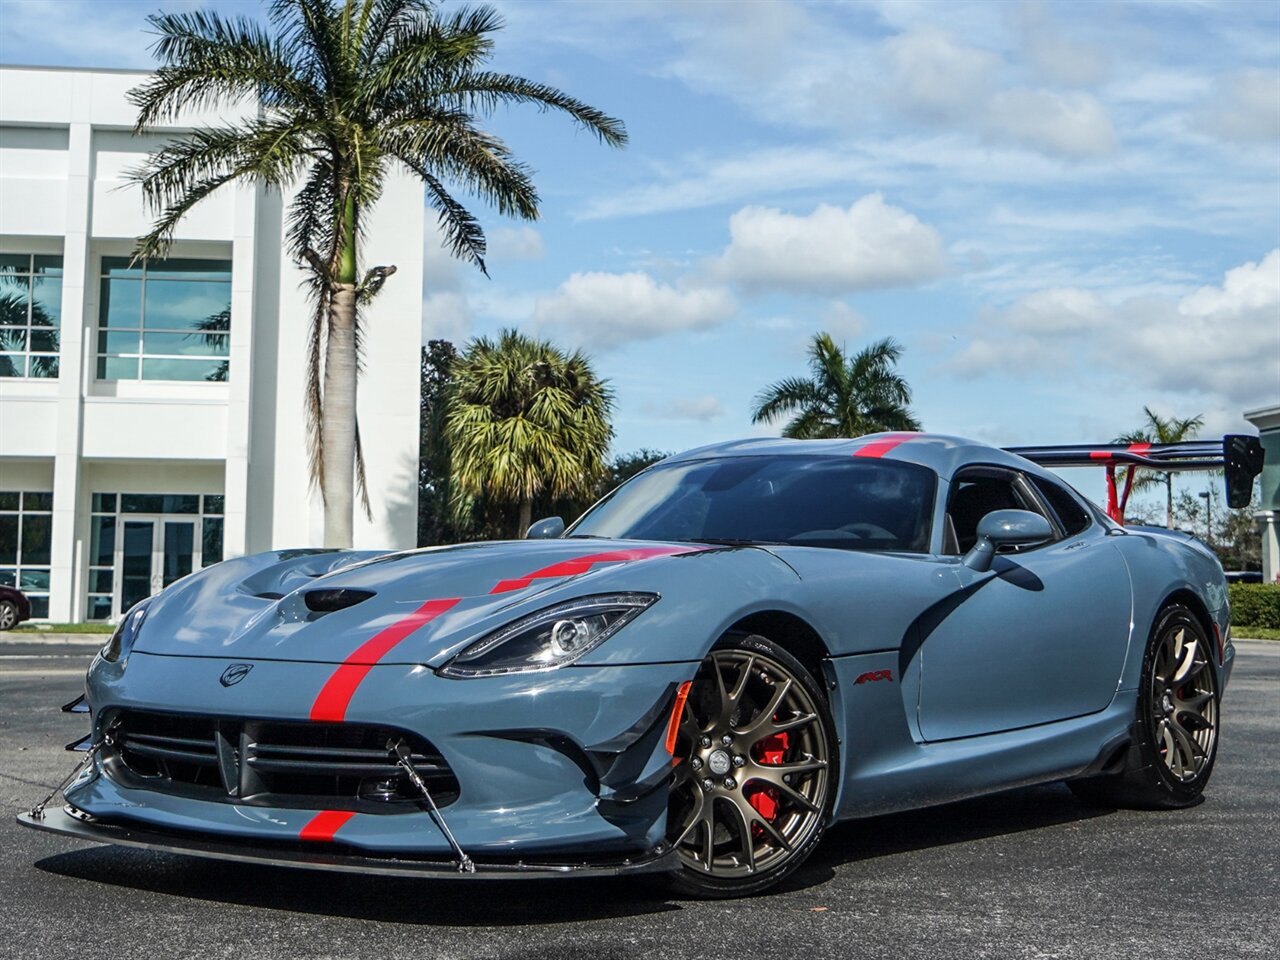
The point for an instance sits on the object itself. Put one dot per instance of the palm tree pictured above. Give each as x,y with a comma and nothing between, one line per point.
345,91
525,419
843,397
1158,429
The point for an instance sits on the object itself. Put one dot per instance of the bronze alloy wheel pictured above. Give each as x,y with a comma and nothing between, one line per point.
754,770
1183,702
1174,740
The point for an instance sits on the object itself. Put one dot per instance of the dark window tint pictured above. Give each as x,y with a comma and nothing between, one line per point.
211,540
35,538
974,494
9,538
832,502
1073,516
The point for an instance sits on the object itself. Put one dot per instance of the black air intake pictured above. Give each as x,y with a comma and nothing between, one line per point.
327,601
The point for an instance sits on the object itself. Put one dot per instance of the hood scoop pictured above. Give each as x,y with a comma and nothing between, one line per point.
339,598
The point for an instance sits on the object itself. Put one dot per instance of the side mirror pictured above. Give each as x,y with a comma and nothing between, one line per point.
1005,528
547,529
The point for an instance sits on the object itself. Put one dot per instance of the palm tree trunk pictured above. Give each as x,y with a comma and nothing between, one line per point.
526,517
1168,488
338,423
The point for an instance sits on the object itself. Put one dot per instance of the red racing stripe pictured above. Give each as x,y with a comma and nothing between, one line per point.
1142,449
325,824
880,447
569,568
334,698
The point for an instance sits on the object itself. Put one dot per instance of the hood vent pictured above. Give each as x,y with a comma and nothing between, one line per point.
327,601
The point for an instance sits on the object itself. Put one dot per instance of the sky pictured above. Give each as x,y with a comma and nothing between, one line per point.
1063,211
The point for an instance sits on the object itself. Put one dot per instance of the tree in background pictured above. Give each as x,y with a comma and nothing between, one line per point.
843,396
435,478
346,90
626,465
526,420
1158,429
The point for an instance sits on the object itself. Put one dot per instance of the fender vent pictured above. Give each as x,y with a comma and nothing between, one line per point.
327,601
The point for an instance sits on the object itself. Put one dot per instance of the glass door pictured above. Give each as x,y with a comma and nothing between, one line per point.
177,551
153,553
135,566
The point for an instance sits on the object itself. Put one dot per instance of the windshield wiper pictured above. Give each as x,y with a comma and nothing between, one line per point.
732,542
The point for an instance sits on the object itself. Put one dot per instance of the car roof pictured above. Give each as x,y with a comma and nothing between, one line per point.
941,453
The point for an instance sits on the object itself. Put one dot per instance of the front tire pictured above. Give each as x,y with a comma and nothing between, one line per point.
8,614
1176,730
757,763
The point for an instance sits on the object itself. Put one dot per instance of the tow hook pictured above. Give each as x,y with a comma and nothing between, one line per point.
108,737
403,757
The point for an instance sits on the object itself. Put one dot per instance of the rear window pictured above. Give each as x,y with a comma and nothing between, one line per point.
1074,517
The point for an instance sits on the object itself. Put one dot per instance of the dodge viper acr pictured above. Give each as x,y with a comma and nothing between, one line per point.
736,648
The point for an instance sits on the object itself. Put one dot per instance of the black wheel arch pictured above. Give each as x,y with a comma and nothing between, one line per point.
791,632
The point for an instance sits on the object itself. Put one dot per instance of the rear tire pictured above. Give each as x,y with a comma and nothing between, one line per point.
1175,743
8,614
756,772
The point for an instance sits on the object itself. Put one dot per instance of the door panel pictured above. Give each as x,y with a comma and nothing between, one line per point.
1040,637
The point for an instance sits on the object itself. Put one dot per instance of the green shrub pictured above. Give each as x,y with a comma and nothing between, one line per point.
1255,605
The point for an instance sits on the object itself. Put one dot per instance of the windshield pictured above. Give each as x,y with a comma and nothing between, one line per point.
840,502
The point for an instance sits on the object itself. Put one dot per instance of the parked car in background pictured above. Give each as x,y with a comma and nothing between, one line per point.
14,607
1243,576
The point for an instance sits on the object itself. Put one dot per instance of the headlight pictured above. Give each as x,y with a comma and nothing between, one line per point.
121,641
549,638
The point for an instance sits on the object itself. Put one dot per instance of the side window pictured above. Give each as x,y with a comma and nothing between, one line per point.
974,494
1073,516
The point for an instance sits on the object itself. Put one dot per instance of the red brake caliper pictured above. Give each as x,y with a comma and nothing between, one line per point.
770,752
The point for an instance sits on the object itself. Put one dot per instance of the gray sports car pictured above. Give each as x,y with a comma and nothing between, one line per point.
731,651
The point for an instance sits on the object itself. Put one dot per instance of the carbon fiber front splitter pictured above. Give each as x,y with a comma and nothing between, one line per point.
70,822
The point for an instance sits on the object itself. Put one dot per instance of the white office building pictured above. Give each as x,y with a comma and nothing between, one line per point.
151,415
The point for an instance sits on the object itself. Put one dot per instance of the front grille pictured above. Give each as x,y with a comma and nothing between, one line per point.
334,766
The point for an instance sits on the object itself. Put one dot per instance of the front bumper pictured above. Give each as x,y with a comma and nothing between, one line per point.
562,768
70,822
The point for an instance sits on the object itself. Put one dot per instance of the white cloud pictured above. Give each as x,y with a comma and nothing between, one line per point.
516,243
1062,310
1216,347
1244,106
699,409
1072,125
1054,54
833,250
609,309
843,322
1223,339
48,32
445,316
933,78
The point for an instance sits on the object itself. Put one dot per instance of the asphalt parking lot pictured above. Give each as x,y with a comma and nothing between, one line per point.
1029,873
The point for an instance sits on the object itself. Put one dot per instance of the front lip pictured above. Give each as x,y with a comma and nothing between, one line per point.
72,822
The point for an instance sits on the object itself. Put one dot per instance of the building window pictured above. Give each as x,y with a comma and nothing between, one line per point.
30,314
164,320
140,543
26,525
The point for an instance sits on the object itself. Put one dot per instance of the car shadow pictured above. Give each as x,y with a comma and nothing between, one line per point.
1001,814
536,903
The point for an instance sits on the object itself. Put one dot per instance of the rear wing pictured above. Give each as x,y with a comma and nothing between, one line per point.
1239,457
